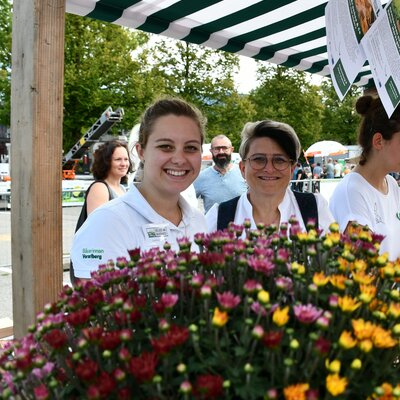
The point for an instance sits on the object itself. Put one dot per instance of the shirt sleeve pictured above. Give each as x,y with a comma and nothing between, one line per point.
212,217
325,217
346,206
100,239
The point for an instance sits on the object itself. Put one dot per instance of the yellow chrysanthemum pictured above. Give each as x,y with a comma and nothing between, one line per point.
281,316
220,318
320,279
382,259
333,366
361,277
344,264
338,281
382,338
296,392
360,265
298,268
348,304
335,384
368,293
394,310
365,345
347,340
356,364
388,271
334,227
362,329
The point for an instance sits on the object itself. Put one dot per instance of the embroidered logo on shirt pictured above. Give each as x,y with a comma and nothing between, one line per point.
92,253
378,218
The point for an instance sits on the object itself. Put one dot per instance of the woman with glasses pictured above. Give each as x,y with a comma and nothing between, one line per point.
269,152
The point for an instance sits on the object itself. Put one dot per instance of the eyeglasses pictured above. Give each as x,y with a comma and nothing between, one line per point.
217,149
259,161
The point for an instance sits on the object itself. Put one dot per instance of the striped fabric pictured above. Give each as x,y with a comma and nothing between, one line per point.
284,32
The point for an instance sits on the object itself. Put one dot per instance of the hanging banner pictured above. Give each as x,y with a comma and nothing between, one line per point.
382,47
347,21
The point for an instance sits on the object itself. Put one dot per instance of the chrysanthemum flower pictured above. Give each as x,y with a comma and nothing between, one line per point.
335,384
220,318
348,304
382,338
320,279
346,340
228,300
280,317
296,392
307,314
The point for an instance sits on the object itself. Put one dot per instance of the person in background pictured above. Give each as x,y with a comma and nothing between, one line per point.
153,211
317,174
337,167
368,195
269,152
329,169
110,167
294,177
223,180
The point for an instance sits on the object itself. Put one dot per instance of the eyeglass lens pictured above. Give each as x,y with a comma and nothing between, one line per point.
219,148
259,161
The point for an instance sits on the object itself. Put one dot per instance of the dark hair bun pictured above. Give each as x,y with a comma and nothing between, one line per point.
363,104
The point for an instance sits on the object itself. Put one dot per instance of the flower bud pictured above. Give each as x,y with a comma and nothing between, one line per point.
157,379
107,354
334,366
263,296
258,332
226,384
193,328
248,368
205,291
356,364
294,344
181,368
396,329
272,394
288,362
186,387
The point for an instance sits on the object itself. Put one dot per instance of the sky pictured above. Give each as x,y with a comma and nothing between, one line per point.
246,78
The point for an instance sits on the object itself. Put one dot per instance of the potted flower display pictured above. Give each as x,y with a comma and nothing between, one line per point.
262,314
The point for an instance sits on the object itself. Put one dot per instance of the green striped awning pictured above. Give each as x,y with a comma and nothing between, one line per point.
284,32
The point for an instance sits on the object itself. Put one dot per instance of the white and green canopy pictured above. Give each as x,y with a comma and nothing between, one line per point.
283,32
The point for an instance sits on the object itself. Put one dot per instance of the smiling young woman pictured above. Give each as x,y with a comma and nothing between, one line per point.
153,212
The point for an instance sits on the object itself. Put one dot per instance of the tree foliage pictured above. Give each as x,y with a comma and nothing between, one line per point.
339,118
100,72
286,95
5,61
205,78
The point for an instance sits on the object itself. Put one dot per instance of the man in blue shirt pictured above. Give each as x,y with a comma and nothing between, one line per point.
223,180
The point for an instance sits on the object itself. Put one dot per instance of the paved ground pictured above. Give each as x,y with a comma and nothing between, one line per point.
70,216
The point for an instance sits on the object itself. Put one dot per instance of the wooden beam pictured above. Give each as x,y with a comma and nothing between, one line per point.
36,150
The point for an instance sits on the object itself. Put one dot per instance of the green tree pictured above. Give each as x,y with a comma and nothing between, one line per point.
5,61
205,78
100,72
286,95
339,118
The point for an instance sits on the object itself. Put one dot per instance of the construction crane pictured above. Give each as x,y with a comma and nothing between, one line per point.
107,120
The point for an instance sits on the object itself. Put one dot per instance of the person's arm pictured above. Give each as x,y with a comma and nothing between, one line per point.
97,196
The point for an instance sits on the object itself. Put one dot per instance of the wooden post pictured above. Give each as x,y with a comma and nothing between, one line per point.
36,149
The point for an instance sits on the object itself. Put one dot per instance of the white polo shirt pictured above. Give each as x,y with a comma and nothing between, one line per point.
288,208
355,199
126,223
